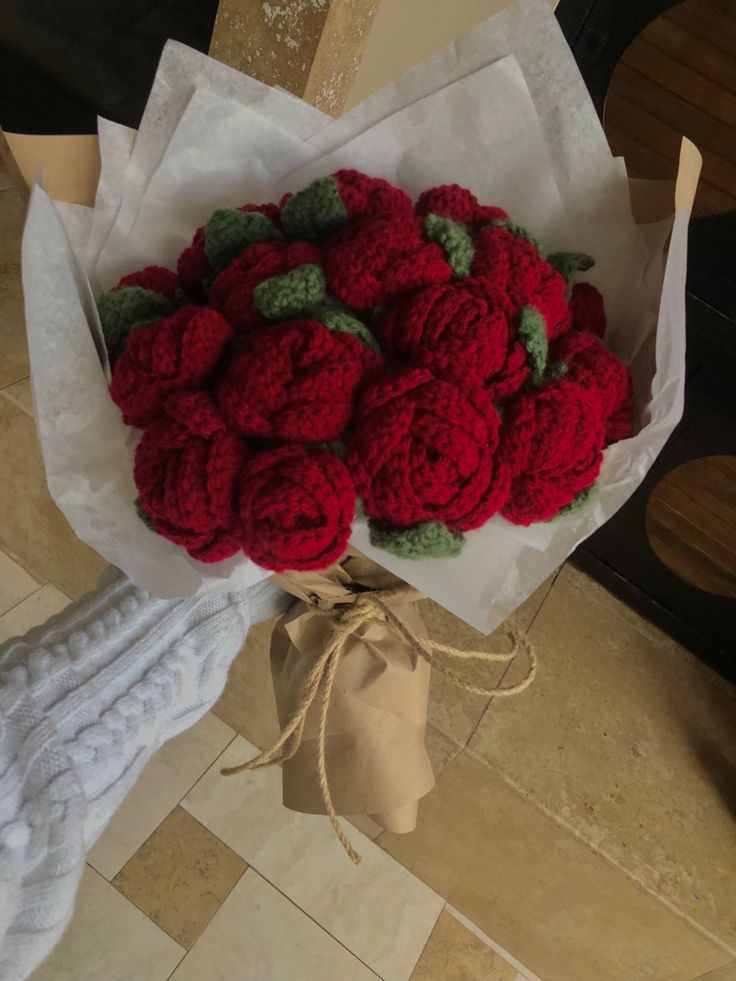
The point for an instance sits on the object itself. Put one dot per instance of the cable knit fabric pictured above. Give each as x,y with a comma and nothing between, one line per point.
296,508
424,450
85,701
397,334
171,354
297,381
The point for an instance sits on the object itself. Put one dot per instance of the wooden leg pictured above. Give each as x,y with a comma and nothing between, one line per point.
312,48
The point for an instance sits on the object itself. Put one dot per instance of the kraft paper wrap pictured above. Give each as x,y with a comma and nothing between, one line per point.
377,763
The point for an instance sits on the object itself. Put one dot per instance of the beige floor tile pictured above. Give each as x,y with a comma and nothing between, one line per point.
20,393
540,893
109,939
13,347
366,825
15,583
180,876
377,910
248,703
725,973
452,711
35,609
167,777
453,953
33,528
630,744
258,935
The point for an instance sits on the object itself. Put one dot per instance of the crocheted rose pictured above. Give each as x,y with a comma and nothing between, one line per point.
195,264
257,286
330,202
460,332
138,298
295,381
425,450
553,439
296,508
586,309
180,351
374,259
187,482
458,203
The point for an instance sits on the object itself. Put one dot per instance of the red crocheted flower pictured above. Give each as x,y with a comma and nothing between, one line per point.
179,351
363,196
594,366
296,508
187,482
425,450
458,203
586,309
295,381
553,439
155,278
369,261
193,266
232,290
458,331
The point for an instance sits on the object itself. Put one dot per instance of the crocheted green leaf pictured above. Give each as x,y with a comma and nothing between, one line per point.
280,297
454,239
555,370
314,211
142,514
229,232
519,232
335,317
568,264
123,309
533,335
430,539
334,446
583,498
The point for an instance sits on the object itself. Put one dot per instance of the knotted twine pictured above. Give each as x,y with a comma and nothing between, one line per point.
346,620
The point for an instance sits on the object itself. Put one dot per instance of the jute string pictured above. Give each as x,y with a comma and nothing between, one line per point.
347,620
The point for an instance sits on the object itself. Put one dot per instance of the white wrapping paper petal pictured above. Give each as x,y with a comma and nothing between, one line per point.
502,110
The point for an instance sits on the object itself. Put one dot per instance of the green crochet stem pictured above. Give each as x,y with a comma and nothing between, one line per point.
577,503
533,335
569,264
430,539
314,211
123,309
454,239
229,232
281,297
335,317
518,231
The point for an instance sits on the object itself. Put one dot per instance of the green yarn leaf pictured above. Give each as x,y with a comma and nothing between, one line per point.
142,514
296,292
533,335
430,539
568,264
229,232
555,370
335,317
314,211
577,503
519,232
334,446
123,309
454,239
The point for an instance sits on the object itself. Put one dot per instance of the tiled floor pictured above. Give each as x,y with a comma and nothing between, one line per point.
583,831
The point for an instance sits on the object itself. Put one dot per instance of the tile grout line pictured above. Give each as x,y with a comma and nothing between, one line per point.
27,597
526,972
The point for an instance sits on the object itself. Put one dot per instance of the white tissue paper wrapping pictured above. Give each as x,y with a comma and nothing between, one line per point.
503,111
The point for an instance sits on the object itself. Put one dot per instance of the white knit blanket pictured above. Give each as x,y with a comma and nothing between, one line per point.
85,700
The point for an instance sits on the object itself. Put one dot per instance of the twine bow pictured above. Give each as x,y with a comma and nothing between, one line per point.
347,619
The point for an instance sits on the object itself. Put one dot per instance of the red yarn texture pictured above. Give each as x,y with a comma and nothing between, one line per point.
177,352
425,450
369,261
461,332
552,441
155,278
232,290
586,309
295,381
186,485
458,203
296,508
364,196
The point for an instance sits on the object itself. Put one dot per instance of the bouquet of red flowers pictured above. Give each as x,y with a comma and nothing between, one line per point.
425,364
